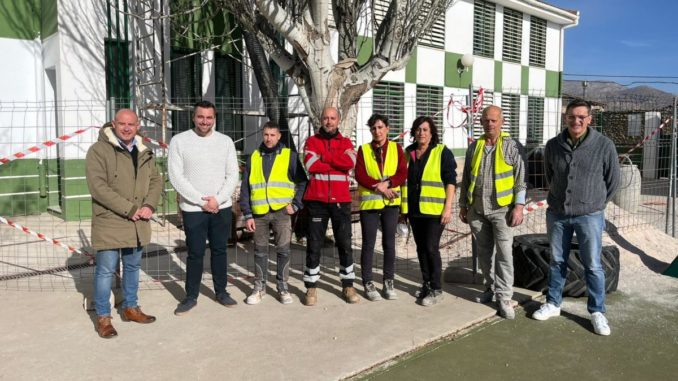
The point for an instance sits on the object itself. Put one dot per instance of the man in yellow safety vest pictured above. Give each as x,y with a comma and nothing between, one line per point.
273,184
492,199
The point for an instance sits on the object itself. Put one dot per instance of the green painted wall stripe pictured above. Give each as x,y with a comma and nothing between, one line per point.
498,76
525,80
411,68
553,83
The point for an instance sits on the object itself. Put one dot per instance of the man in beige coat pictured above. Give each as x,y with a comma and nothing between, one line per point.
125,187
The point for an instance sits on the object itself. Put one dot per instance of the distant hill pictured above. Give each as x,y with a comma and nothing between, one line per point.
619,97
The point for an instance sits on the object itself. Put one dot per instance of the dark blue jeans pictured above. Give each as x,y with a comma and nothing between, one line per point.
589,230
200,227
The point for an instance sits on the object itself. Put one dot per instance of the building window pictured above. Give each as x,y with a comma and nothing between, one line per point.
430,103
483,28
229,98
535,120
537,42
488,100
435,38
513,35
389,100
510,104
117,72
186,89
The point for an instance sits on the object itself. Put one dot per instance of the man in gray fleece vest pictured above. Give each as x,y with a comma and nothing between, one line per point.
582,169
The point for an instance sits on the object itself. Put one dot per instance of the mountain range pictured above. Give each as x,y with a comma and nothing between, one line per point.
622,96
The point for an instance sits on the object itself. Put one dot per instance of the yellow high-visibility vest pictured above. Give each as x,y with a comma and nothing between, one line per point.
369,199
432,196
275,194
503,173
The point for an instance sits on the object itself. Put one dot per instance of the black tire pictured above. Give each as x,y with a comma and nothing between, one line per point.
531,256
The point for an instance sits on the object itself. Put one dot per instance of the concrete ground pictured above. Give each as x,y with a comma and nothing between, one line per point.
50,336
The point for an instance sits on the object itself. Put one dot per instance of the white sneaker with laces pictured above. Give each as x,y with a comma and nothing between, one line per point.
547,310
255,297
600,325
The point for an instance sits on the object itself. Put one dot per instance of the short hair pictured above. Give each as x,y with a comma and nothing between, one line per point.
432,125
205,104
271,124
375,118
578,103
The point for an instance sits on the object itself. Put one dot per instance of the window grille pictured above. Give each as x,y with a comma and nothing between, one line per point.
483,28
513,35
389,100
510,104
535,120
430,103
537,42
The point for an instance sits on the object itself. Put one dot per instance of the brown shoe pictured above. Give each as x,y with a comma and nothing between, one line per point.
105,328
350,295
311,296
135,314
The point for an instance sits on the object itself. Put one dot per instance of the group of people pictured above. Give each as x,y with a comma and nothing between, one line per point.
418,183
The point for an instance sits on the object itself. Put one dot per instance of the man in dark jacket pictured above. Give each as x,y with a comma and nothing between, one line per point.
582,168
125,187
272,186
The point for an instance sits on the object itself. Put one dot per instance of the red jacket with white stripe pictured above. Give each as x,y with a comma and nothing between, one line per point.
328,161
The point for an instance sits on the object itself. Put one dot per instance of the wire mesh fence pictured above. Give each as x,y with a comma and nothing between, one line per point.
44,196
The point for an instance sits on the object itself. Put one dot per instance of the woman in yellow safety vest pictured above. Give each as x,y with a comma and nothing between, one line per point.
431,179
380,171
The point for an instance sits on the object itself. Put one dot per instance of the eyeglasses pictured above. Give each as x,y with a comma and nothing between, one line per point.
579,117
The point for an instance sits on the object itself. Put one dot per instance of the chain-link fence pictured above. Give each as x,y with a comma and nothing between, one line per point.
45,204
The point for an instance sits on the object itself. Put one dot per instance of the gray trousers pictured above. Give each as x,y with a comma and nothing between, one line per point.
280,223
491,230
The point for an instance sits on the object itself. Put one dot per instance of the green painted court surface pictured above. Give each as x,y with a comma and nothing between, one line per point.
643,346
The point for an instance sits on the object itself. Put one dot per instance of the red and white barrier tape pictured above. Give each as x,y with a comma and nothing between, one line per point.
39,147
650,136
43,237
533,206
475,108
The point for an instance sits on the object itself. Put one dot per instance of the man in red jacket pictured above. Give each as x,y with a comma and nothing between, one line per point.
328,158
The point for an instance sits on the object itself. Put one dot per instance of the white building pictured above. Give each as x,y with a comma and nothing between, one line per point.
67,60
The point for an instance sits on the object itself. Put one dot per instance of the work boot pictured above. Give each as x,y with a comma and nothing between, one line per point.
135,314
105,328
350,295
311,296
371,292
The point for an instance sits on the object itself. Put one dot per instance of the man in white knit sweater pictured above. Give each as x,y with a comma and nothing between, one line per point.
203,169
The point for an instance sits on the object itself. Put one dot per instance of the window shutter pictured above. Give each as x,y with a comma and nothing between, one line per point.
537,42
513,35
483,28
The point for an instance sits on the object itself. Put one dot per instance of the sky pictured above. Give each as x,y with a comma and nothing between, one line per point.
623,37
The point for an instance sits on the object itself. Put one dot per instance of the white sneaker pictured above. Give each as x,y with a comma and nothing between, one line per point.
600,325
547,310
285,297
255,297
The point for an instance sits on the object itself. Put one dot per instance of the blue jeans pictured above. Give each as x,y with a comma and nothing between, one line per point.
589,231
200,227
106,264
